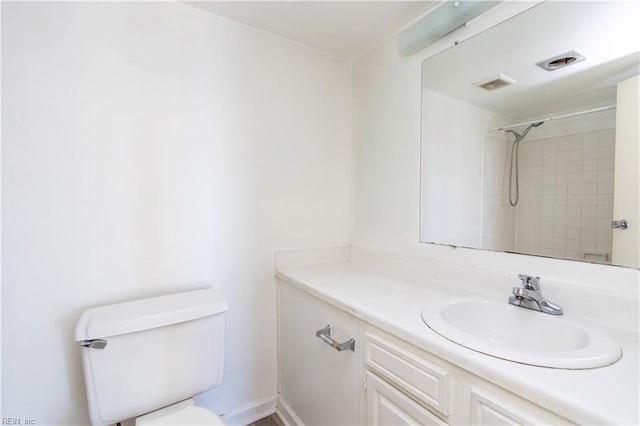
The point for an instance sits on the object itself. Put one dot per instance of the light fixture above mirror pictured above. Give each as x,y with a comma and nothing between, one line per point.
447,17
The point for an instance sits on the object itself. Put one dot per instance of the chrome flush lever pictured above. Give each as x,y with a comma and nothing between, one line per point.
95,343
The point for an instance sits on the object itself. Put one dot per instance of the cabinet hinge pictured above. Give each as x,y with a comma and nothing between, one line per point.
364,383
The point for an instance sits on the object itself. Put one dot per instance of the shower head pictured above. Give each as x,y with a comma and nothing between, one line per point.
516,134
520,136
539,123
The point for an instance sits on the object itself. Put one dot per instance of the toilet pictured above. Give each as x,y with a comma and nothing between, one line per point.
147,358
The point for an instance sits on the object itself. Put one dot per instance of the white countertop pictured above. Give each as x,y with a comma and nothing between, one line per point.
393,301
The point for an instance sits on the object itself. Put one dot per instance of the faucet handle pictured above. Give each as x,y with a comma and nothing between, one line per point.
529,282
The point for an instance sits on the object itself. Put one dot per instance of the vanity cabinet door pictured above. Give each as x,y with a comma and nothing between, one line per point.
386,405
490,408
317,383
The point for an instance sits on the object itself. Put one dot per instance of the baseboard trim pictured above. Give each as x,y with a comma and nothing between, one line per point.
286,413
251,412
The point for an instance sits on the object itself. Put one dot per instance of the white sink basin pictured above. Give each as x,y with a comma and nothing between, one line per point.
521,335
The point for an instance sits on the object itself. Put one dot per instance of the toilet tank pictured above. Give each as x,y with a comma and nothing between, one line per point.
146,354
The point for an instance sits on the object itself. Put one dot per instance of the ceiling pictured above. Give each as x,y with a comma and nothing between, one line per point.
606,33
345,29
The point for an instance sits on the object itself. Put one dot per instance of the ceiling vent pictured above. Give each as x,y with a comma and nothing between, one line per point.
561,61
496,82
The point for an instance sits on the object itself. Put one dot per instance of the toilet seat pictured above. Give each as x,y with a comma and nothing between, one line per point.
181,414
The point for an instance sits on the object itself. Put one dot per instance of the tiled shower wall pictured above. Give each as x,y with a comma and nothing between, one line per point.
566,196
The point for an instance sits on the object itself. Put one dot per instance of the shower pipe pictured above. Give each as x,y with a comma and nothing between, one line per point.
514,155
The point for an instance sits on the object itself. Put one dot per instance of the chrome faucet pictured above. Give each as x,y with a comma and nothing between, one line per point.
529,296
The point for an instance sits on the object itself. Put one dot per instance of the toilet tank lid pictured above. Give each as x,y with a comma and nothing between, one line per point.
144,314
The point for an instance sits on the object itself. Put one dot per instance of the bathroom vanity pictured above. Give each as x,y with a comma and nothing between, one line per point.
402,372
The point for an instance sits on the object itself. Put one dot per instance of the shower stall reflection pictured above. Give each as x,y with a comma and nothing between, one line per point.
564,201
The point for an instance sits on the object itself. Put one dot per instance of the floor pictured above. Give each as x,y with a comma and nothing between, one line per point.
272,420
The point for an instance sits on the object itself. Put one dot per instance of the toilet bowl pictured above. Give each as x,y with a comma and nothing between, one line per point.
184,413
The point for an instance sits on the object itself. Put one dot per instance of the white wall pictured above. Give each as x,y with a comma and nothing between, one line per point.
1,211
386,104
453,145
151,148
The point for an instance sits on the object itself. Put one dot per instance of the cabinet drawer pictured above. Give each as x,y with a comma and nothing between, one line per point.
427,382
490,409
388,406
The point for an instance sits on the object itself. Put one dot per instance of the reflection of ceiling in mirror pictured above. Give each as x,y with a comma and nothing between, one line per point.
606,33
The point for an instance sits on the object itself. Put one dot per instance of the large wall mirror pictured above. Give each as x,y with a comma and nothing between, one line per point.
530,135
